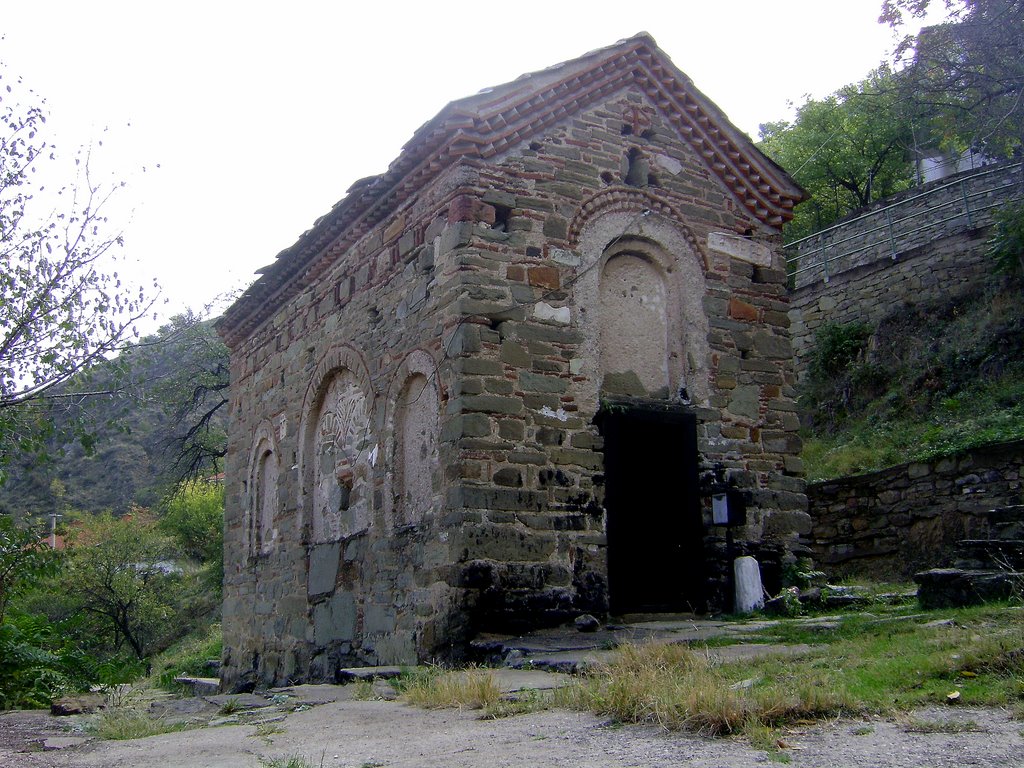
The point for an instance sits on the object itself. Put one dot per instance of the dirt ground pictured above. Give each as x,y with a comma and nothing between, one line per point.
361,734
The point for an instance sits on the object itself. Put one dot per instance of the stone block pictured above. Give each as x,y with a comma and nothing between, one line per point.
479,366
556,227
514,354
745,401
505,543
335,619
544,277
741,310
501,498
323,568
509,477
492,404
535,382
511,429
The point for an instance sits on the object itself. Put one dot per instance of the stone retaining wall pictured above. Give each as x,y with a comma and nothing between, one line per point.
940,262
899,520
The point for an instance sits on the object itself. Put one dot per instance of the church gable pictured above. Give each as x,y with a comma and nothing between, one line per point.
508,117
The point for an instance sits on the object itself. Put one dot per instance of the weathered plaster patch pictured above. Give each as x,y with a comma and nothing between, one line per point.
741,248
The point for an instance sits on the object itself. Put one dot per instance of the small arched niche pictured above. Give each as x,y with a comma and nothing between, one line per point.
336,443
634,321
263,502
415,448
265,481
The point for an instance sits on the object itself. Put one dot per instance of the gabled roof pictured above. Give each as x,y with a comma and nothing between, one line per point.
496,119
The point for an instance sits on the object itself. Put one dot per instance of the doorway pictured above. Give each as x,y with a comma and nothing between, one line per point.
652,498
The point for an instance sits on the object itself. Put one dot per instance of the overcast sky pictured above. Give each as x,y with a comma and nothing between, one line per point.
252,119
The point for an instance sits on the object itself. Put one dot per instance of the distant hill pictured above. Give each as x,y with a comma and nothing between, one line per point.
120,448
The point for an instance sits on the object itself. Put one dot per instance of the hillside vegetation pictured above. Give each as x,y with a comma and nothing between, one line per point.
928,380
127,443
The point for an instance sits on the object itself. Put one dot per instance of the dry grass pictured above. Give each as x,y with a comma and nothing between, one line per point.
468,688
678,688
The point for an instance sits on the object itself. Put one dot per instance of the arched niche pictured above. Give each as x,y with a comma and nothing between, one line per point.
335,450
633,326
414,427
640,297
263,503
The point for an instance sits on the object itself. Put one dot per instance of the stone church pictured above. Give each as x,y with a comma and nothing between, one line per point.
539,367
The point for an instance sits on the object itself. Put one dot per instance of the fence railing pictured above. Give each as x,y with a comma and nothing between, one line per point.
961,204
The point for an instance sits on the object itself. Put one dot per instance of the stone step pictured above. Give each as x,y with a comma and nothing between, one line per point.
955,587
990,554
1006,522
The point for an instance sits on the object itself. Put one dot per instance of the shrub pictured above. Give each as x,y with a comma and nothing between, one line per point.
1006,245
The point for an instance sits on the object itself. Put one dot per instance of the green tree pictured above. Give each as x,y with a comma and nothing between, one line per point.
62,307
121,573
966,73
194,517
25,560
847,150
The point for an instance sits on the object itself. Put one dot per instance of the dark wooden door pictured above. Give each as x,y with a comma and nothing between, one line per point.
655,531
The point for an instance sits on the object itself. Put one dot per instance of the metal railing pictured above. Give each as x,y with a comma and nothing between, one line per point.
896,229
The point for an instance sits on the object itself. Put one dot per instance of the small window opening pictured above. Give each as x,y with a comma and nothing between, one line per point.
536,146
647,133
637,168
626,130
607,177
652,180
344,494
502,215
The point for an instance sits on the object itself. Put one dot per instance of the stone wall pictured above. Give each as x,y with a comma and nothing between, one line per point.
903,519
935,252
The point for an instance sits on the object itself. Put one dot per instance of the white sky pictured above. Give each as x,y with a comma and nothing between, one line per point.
261,115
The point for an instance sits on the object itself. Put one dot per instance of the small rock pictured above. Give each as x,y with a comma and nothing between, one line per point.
514,658
384,690
587,623
76,705
750,682
200,686
810,596
63,742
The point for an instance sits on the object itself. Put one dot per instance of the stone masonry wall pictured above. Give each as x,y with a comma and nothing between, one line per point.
383,590
903,519
532,546
939,262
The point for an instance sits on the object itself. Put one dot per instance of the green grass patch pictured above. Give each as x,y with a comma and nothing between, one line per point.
295,761
188,657
986,412
123,723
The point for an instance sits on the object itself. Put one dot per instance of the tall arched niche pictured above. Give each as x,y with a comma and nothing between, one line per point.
414,433
336,450
263,502
640,296
633,326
